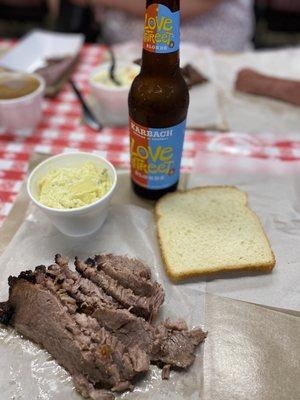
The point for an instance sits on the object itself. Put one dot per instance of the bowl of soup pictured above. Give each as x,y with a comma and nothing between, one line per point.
20,100
111,99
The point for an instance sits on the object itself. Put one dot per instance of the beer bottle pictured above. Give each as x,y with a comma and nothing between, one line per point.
158,104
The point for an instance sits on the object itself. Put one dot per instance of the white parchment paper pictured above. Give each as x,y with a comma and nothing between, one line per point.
273,189
216,105
231,355
204,110
26,372
256,114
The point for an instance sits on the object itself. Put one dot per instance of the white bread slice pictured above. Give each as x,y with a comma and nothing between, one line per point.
210,229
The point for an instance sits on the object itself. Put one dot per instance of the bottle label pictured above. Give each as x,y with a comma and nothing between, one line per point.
156,155
162,29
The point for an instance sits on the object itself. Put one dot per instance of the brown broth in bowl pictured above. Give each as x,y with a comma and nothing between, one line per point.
14,86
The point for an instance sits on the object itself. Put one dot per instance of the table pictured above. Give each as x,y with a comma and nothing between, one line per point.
60,130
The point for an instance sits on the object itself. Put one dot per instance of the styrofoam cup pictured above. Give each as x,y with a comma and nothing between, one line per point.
75,222
112,100
22,113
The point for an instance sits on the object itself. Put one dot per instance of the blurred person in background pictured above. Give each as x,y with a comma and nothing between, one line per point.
277,23
17,17
52,4
77,18
224,25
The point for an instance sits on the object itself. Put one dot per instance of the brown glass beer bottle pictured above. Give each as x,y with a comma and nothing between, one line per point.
158,104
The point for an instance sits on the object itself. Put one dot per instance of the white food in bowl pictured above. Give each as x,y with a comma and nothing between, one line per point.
76,222
74,187
110,101
124,74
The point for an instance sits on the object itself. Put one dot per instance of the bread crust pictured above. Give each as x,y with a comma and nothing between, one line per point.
266,267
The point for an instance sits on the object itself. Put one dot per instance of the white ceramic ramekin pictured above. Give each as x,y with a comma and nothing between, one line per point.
112,101
24,112
77,222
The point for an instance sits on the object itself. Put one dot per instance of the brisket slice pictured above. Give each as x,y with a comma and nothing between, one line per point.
165,372
127,327
175,344
132,274
170,343
40,317
76,341
82,320
131,265
143,306
192,76
171,346
73,282
88,390
6,312
69,294
253,82
82,293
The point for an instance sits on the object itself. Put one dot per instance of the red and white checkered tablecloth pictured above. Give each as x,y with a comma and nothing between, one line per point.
60,130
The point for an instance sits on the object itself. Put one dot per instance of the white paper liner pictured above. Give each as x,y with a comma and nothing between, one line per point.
204,105
256,114
251,353
273,189
129,230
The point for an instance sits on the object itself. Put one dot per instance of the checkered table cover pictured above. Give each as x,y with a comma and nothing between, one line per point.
61,130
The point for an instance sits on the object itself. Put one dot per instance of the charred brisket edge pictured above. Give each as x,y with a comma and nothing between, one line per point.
61,261
6,312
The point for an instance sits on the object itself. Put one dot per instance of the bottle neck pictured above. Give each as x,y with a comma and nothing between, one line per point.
160,64
161,32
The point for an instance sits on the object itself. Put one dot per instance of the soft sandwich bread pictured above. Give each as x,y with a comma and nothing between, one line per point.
210,229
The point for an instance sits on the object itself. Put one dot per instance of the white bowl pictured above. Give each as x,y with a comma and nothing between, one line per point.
77,222
23,112
112,101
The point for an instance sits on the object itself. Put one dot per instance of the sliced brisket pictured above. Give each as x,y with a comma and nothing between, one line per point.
40,317
6,312
132,274
88,390
82,294
65,284
143,306
170,343
165,372
46,314
93,322
175,344
127,327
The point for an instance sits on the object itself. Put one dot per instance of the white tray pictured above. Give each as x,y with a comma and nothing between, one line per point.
30,53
